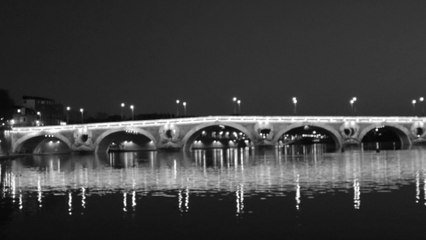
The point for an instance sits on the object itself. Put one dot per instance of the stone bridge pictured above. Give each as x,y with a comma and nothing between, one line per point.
181,133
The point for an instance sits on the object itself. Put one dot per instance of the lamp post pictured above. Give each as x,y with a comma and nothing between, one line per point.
352,102
122,111
354,99
184,108
234,105
133,111
414,106
177,107
82,115
294,99
421,99
239,106
68,113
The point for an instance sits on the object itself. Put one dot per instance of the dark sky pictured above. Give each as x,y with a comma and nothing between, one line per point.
97,54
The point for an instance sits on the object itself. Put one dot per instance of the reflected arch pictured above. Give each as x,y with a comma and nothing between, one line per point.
103,142
333,133
192,134
402,133
31,142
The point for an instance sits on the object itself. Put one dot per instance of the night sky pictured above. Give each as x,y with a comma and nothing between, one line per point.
97,54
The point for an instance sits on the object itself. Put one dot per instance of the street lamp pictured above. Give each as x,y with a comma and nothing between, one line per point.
294,99
133,111
122,112
414,106
184,108
68,113
352,102
421,99
82,115
177,107
239,106
234,103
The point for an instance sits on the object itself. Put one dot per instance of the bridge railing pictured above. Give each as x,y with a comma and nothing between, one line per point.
236,119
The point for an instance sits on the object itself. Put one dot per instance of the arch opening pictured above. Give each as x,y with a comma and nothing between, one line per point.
43,144
385,138
308,139
218,137
126,141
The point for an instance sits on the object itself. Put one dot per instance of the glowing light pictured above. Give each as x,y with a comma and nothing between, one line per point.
240,199
134,200
297,198
417,186
357,194
124,202
83,197
68,108
20,201
69,203
421,99
177,101
39,197
123,104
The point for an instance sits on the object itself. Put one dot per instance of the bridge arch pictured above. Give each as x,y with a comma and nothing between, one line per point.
402,132
192,134
37,138
334,134
101,139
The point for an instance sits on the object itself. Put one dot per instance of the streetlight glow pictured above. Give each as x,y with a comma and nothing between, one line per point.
177,107
184,108
122,111
352,102
133,111
68,113
239,106
234,104
294,99
414,106
82,115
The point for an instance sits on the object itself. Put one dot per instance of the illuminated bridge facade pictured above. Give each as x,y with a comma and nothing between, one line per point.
212,131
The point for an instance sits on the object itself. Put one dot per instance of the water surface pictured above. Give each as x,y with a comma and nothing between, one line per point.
212,194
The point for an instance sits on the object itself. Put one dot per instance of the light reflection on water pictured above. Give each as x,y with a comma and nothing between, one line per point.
247,176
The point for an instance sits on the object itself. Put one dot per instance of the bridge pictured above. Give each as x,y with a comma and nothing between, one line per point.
210,131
